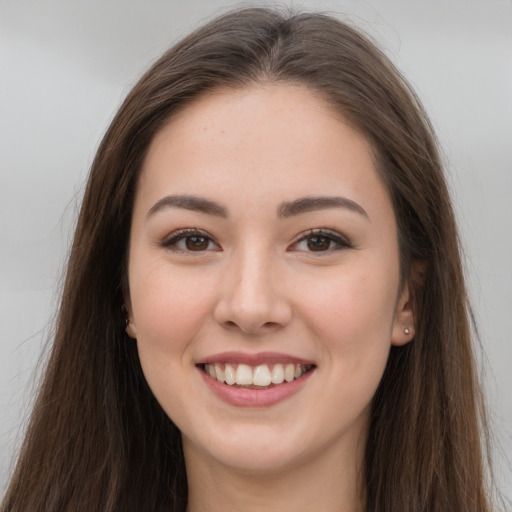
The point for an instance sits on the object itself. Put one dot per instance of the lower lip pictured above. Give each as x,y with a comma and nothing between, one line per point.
241,397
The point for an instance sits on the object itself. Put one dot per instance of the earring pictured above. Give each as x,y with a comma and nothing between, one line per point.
407,330
124,311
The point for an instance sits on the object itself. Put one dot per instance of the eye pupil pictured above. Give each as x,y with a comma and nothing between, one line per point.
196,243
318,243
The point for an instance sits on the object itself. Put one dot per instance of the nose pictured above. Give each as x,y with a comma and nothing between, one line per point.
252,297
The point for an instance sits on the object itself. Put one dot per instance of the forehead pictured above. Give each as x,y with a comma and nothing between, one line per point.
270,139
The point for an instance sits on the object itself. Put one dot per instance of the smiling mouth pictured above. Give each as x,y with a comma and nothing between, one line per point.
263,376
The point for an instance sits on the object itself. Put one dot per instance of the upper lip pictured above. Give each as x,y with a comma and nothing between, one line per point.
254,359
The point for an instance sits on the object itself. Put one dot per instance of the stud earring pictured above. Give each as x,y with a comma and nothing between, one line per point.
407,330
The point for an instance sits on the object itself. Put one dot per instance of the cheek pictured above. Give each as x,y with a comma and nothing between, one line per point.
352,321
168,307
352,317
354,302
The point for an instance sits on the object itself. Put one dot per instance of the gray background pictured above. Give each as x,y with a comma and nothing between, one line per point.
64,68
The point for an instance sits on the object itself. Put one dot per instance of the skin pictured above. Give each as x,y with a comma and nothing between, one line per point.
255,285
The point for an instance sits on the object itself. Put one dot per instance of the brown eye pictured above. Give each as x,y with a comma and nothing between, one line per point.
319,243
190,240
197,243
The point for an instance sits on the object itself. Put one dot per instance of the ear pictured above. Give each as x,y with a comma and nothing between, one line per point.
130,328
403,325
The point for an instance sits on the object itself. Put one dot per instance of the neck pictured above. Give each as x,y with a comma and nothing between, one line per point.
331,483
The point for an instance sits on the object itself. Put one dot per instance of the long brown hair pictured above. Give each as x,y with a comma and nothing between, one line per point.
98,440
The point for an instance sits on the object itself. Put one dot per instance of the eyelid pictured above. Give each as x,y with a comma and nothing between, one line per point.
170,242
341,240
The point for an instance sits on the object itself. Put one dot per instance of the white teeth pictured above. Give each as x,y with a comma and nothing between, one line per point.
289,372
219,373
229,374
277,374
261,376
245,375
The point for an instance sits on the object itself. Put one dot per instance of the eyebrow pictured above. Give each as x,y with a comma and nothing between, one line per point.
310,204
287,209
187,202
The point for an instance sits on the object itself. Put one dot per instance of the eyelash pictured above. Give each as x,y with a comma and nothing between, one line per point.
172,241
329,236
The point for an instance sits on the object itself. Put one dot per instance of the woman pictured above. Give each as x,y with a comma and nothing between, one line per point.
264,306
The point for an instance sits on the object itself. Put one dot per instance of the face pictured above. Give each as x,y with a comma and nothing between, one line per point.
264,278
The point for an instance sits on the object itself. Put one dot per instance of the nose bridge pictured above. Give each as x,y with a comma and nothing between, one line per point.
253,270
252,295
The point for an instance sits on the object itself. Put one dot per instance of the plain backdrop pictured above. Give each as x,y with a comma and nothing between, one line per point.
65,67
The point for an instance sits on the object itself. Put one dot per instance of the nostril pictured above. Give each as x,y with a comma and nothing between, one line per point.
231,324
253,312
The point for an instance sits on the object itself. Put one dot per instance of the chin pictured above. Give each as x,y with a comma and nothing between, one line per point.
260,449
